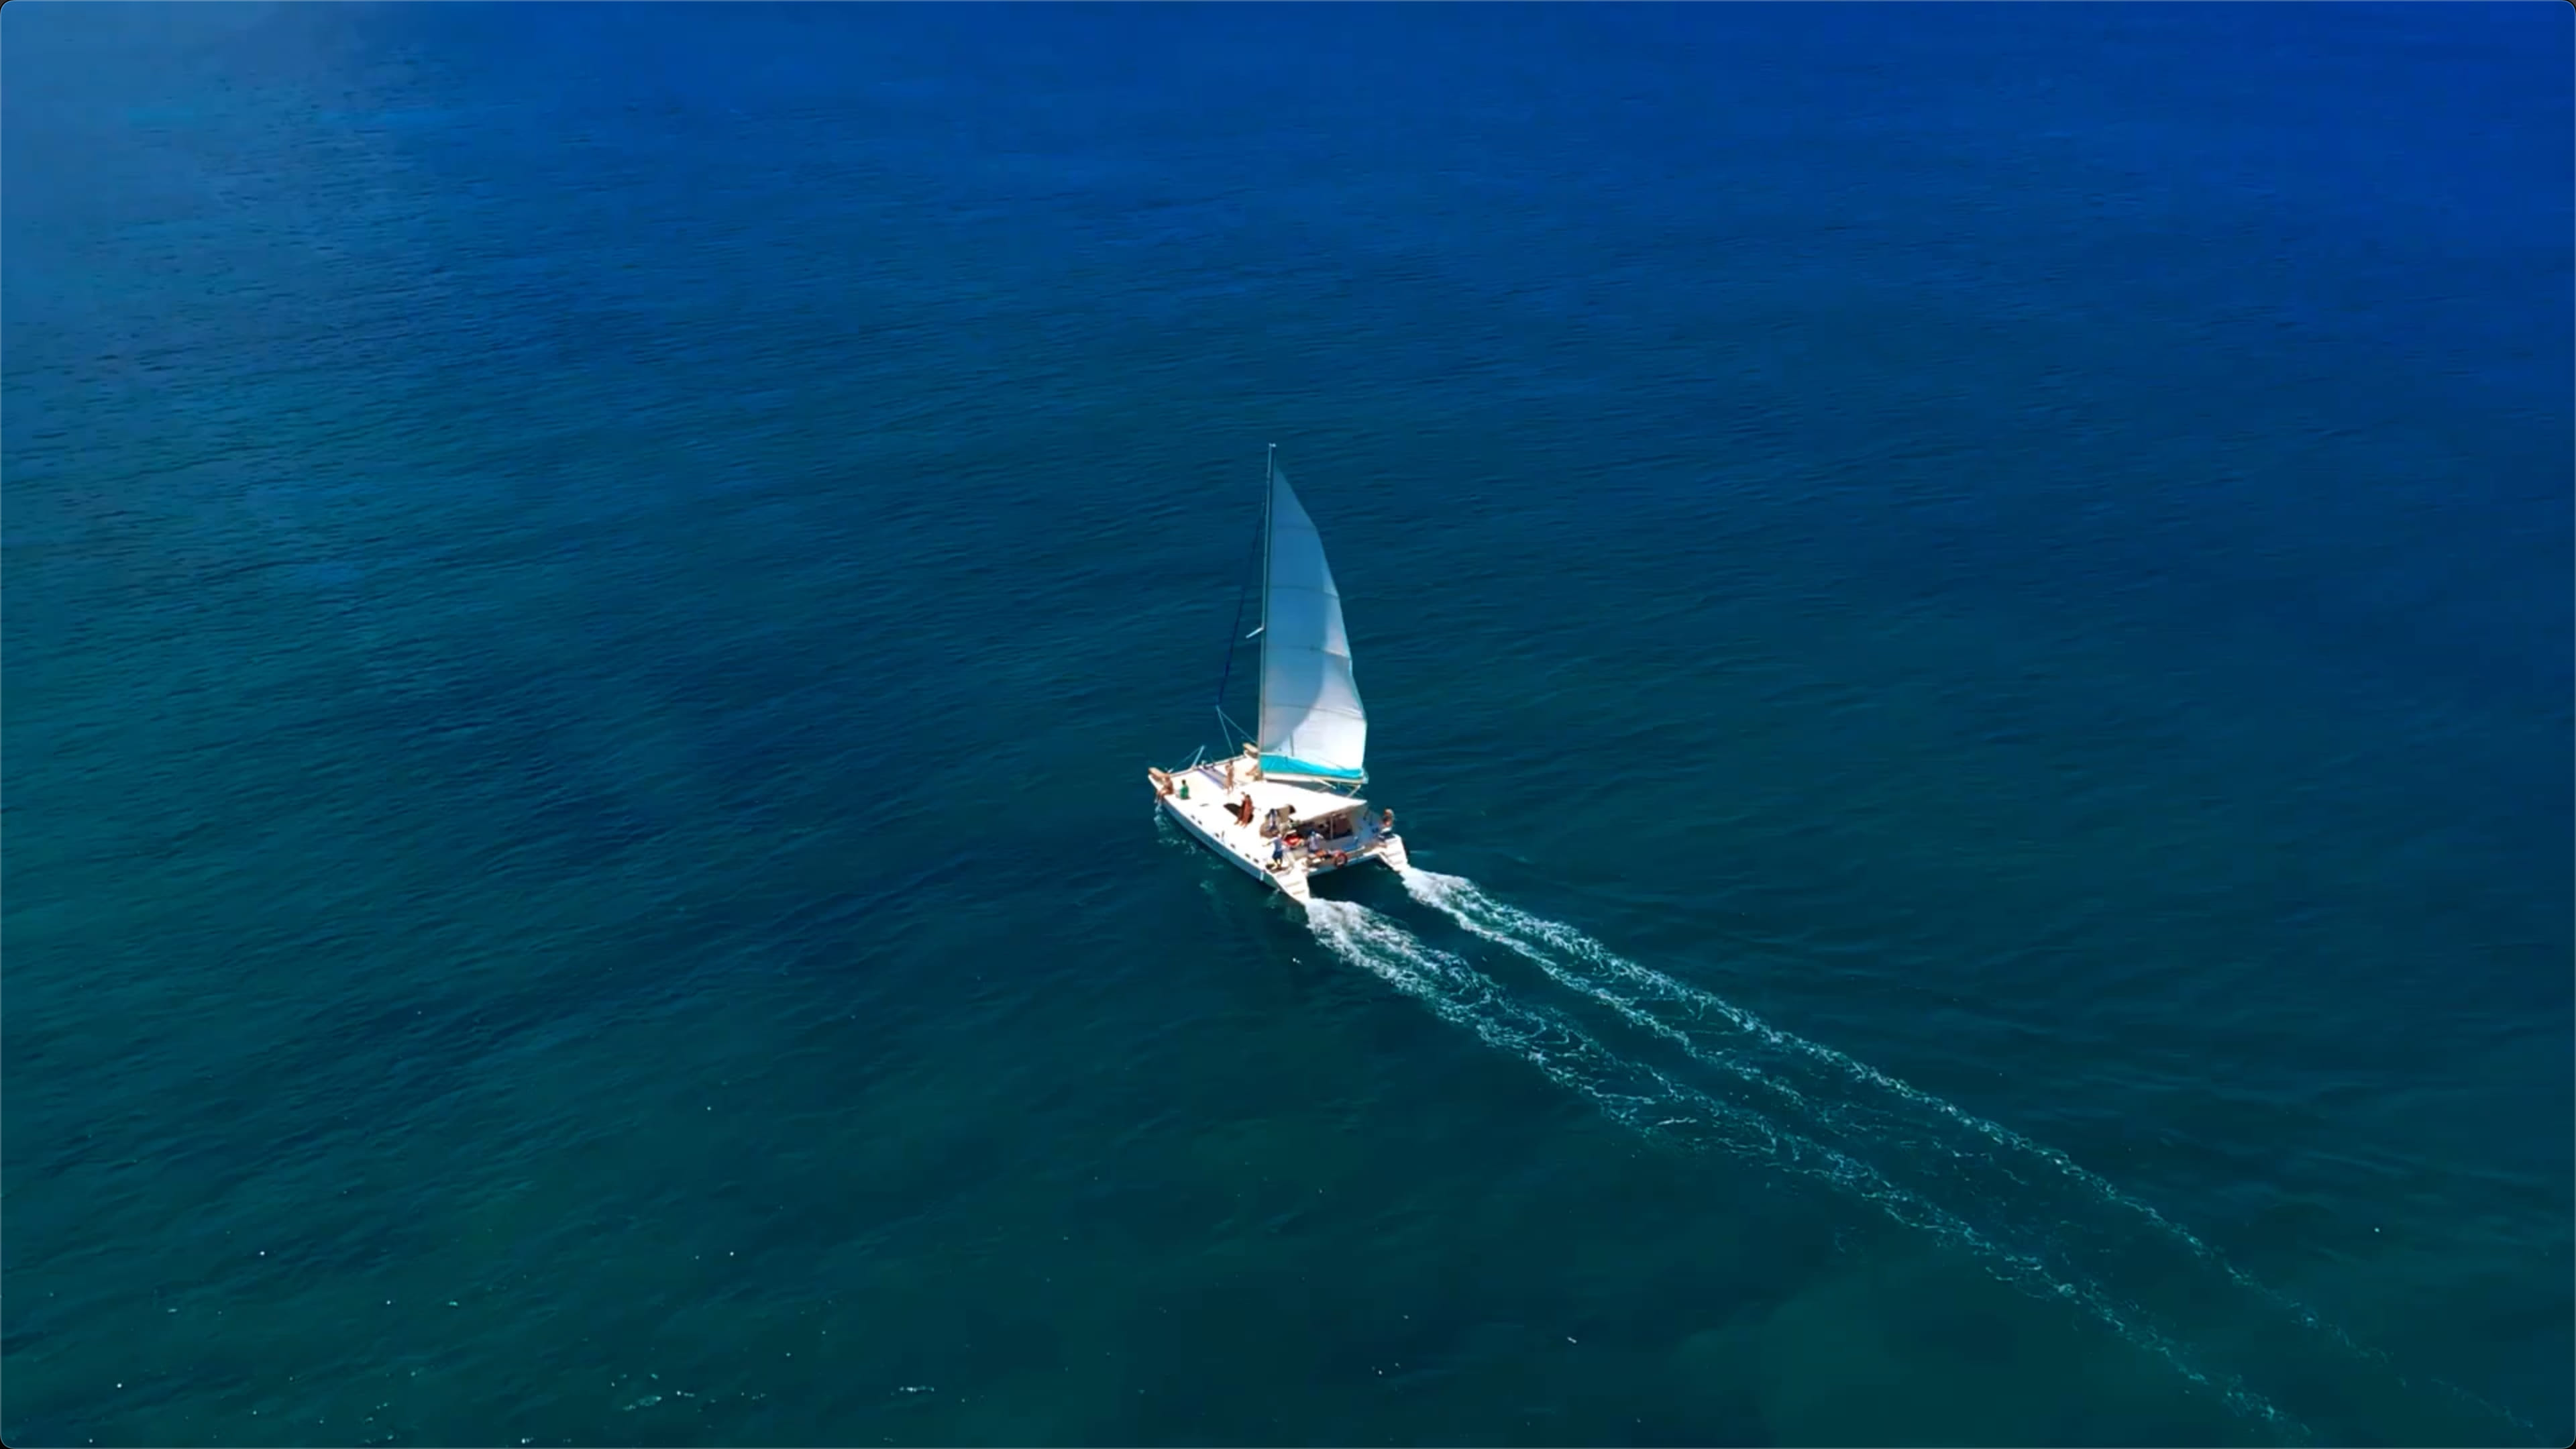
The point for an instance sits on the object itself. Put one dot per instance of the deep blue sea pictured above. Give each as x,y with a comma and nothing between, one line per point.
1967,611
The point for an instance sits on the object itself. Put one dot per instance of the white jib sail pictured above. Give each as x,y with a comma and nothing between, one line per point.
1310,706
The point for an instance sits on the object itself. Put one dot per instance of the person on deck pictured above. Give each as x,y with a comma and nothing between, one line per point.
1386,822
1242,813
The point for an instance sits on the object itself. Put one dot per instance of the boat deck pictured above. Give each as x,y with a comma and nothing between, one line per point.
1205,815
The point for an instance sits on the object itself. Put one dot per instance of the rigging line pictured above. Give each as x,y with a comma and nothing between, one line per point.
1232,643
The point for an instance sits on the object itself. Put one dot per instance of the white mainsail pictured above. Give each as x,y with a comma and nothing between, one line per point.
1311,720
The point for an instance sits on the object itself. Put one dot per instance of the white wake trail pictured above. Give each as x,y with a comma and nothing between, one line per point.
1638,1096
1532,937
1885,1112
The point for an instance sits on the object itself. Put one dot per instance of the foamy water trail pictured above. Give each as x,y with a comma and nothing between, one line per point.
1644,1099
1872,1109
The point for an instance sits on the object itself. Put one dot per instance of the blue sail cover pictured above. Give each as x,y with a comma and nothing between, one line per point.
1286,765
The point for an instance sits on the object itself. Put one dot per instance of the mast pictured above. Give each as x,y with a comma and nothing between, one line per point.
1269,505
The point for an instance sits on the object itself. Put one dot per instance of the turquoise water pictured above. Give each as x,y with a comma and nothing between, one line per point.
1968,612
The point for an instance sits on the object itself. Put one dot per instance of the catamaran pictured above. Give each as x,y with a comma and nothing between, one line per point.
1287,808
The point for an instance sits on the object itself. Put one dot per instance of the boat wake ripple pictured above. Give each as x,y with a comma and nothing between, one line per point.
2028,1202
1639,1096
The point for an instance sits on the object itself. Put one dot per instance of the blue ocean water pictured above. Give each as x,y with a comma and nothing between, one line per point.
1968,611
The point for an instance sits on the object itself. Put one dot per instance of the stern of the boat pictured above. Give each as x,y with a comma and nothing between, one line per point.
1291,880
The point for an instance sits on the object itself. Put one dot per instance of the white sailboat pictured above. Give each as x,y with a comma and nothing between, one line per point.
1287,808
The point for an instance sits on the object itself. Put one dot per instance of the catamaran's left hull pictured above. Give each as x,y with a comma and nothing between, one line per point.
1294,890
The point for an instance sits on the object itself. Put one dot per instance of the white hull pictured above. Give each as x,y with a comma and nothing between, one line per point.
1206,817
